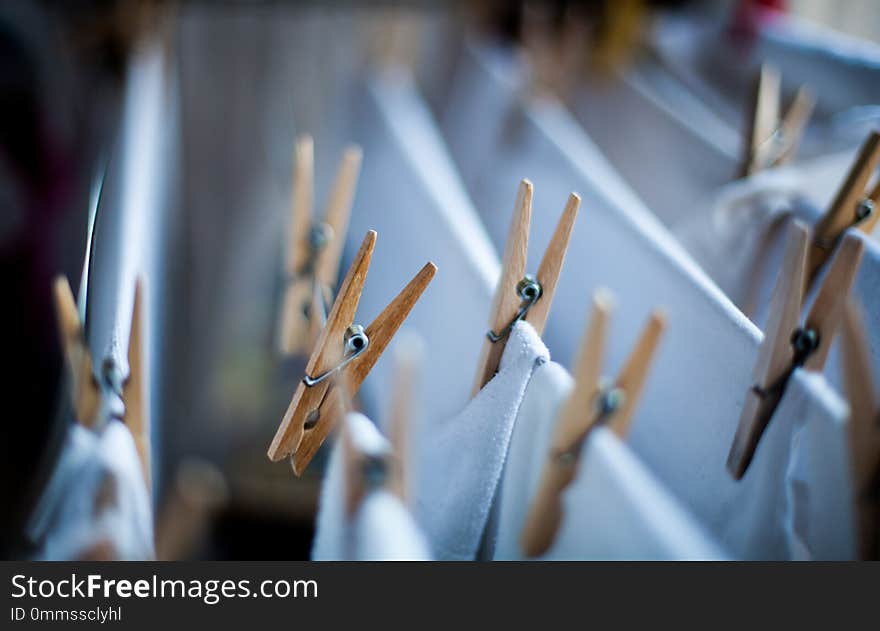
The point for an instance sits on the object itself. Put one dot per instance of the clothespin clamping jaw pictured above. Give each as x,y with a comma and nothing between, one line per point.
854,206
115,394
344,351
772,141
313,248
520,296
864,430
788,346
592,403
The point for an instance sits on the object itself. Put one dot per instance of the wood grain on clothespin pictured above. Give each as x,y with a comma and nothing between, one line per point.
783,348
85,396
852,206
135,392
313,410
507,301
864,429
311,263
582,412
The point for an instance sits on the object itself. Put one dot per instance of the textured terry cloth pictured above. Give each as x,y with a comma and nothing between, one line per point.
740,243
382,528
410,193
97,493
690,408
460,459
615,508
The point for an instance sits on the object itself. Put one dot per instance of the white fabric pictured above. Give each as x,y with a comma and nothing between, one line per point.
615,508
689,410
460,459
382,528
820,494
97,493
740,242
410,194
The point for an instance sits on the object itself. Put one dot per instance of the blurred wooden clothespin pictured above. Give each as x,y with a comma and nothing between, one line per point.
314,247
864,431
115,395
772,141
592,403
367,472
345,348
853,206
786,345
520,296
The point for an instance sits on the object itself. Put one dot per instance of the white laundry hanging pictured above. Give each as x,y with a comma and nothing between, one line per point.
410,193
739,242
459,459
683,428
614,509
97,494
382,529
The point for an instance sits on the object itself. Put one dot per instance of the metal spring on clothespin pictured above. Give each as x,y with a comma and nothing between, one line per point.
356,342
609,399
530,290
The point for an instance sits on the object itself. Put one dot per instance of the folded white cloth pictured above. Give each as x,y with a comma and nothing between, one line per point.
96,494
615,508
382,528
460,459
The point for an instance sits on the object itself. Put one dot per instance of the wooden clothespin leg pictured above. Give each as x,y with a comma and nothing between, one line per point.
590,404
853,206
864,431
342,347
786,346
520,296
772,140
135,392
314,248
83,387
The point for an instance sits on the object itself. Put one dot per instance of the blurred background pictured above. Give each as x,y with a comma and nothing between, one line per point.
188,114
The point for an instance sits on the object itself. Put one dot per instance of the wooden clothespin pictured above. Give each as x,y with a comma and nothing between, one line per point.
772,141
313,248
115,395
853,206
198,491
592,403
520,296
787,346
864,430
342,347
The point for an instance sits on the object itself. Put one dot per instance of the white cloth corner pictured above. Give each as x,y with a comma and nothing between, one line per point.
460,459
381,529
615,509
97,493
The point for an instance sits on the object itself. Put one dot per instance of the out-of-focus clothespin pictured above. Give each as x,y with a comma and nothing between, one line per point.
345,348
314,247
520,296
771,140
786,345
593,402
